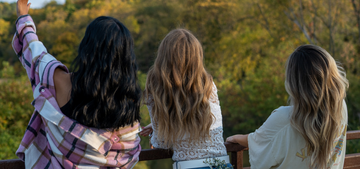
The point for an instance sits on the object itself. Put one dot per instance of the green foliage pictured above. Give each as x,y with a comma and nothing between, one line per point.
7,71
246,44
7,9
15,110
353,101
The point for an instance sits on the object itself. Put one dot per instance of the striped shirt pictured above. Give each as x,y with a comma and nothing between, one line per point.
52,140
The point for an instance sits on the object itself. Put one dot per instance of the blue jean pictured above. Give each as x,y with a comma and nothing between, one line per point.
228,165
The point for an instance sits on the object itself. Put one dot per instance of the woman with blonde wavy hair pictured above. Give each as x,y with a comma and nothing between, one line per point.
183,103
311,131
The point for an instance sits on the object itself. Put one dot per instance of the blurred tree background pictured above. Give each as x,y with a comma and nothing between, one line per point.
246,44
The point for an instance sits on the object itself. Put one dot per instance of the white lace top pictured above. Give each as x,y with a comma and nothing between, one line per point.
186,149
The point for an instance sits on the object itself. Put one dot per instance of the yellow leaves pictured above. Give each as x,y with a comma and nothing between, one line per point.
47,30
64,48
94,3
216,4
4,27
132,24
54,13
67,38
80,17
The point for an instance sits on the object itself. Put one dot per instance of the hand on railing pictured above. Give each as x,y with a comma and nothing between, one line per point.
147,131
239,138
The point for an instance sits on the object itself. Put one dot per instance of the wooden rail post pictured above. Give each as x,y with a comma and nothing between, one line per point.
237,159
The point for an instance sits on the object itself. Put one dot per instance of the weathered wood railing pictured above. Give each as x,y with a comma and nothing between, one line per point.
352,161
235,150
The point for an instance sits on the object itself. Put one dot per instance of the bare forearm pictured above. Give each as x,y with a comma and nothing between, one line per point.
239,138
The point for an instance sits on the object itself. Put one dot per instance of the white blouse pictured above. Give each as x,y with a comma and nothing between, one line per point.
186,149
276,144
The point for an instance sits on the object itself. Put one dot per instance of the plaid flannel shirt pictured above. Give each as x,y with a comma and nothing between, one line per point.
53,140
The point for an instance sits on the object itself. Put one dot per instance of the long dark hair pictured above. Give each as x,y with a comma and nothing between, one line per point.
105,92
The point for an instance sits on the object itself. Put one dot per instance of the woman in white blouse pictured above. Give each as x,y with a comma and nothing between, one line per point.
183,103
311,132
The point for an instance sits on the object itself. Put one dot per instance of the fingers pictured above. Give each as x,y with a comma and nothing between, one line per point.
22,7
149,125
146,132
230,139
23,2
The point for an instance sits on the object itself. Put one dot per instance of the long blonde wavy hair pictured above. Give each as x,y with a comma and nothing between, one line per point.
317,86
179,88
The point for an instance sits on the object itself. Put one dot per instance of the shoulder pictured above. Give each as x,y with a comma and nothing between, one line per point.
276,122
214,96
279,118
282,113
214,88
344,113
62,83
61,77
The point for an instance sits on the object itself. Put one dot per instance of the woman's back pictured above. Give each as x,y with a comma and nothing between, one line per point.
311,132
185,149
183,103
55,140
277,144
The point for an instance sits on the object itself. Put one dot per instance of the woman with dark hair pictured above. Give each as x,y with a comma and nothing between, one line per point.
311,131
88,118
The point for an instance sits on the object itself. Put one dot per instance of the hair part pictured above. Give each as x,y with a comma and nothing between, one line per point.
180,88
317,87
105,92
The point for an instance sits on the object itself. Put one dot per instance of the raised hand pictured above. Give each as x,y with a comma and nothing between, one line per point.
22,7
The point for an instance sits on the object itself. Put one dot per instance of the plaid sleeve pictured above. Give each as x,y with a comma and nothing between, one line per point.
39,65
25,34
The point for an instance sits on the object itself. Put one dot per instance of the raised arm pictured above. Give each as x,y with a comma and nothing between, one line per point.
39,65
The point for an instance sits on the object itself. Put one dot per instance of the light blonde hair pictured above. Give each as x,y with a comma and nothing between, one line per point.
317,87
180,87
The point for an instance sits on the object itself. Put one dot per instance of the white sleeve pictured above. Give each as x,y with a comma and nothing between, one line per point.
215,108
265,144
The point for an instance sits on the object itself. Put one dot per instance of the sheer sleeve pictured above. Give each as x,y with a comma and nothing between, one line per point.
154,139
215,108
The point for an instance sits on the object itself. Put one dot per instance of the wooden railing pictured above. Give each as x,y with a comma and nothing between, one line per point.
236,157
352,161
